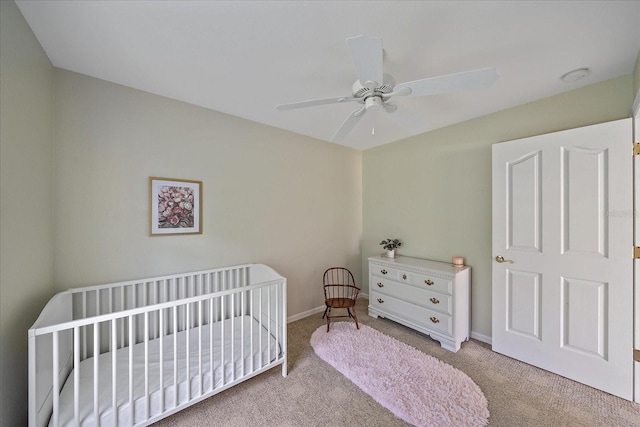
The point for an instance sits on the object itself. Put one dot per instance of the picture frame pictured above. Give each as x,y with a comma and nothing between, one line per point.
175,206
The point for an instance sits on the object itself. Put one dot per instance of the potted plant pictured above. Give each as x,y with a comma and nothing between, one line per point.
391,245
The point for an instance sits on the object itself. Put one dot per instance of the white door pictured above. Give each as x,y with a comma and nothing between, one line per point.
563,222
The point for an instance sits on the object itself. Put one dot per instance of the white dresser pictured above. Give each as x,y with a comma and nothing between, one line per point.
429,296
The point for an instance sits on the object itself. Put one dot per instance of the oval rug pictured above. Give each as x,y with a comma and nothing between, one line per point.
414,386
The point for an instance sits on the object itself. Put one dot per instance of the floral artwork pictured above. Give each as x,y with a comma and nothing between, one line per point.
175,206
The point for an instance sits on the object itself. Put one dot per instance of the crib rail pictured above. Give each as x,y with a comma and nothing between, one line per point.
188,317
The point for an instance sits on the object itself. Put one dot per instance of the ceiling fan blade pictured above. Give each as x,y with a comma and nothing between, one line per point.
366,53
389,108
348,124
314,103
458,82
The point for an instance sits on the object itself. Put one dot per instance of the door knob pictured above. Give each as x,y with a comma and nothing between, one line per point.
500,258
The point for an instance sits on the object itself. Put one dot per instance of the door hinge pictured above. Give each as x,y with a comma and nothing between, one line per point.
636,252
636,149
636,355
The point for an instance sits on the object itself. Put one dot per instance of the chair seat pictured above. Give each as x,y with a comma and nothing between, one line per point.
340,302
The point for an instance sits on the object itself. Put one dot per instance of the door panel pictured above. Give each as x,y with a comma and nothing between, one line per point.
583,199
524,303
585,334
524,202
563,297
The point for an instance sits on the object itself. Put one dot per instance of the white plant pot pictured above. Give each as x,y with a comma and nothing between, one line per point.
391,253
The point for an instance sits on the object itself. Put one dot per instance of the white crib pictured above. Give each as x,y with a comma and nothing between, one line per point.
131,353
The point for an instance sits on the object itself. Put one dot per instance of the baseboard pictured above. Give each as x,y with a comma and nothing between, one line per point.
304,314
316,310
481,337
320,309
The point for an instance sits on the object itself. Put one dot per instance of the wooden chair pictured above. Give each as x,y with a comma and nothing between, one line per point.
340,291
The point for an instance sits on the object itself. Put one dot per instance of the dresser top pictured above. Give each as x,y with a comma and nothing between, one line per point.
427,264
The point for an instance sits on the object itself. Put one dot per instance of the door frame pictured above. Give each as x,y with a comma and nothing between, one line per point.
636,241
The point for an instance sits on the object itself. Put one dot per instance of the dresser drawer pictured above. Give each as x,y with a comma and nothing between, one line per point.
384,271
428,318
421,280
415,294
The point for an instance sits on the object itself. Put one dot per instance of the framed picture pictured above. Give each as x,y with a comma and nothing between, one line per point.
175,206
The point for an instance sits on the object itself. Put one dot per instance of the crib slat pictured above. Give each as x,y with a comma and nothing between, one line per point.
187,353
242,334
252,313
211,364
156,300
175,356
161,356
222,341
96,383
76,373
260,328
146,364
269,324
122,295
233,337
111,310
114,370
277,337
200,346
56,379
84,331
131,342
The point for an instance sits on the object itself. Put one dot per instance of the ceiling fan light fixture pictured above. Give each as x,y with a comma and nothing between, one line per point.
373,102
575,75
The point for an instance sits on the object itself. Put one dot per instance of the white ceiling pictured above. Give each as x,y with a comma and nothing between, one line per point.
245,57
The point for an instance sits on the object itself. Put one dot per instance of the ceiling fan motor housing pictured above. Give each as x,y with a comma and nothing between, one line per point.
365,93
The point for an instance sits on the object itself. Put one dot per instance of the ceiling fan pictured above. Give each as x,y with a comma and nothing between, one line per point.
373,89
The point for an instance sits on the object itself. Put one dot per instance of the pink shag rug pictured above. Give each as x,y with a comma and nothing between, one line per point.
414,386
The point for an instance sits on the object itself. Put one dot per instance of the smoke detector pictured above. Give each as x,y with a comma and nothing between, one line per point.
575,75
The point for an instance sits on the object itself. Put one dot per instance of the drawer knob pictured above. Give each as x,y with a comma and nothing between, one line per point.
380,285
404,277
435,300
380,300
434,319
429,282
383,271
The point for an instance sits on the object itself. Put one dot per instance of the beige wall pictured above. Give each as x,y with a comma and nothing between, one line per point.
269,196
297,204
433,191
26,224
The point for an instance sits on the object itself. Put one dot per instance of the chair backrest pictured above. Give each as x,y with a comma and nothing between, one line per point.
338,282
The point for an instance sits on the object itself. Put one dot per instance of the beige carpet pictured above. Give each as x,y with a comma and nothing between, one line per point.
315,394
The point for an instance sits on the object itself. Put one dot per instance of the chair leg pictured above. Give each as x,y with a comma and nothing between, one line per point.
325,312
355,317
328,310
